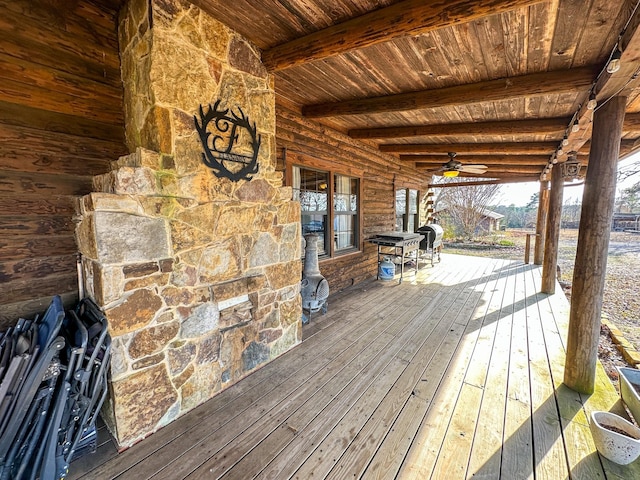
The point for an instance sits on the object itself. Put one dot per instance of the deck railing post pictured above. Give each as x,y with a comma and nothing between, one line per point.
541,222
593,243
527,247
550,261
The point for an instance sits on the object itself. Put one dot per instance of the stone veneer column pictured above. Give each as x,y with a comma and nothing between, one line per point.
199,276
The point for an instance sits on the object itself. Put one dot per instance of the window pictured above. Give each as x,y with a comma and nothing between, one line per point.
406,210
412,211
337,220
311,188
401,208
345,210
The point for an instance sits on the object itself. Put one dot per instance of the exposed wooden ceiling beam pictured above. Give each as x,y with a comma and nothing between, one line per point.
631,123
495,160
484,182
628,147
543,83
410,17
546,126
471,148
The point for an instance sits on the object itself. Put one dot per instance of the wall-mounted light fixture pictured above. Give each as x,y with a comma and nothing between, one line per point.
571,168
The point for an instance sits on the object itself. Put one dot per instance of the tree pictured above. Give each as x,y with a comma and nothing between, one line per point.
466,206
571,210
534,201
514,217
629,200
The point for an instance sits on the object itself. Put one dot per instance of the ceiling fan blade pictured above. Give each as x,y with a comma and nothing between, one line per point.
473,168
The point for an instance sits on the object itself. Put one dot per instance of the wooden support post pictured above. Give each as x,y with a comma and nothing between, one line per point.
541,223
550,262
593,243
527,248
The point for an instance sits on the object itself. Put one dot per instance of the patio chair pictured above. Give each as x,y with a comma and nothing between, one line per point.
28,386
53,382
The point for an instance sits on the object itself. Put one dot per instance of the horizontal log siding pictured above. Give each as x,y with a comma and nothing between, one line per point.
382,174
61,122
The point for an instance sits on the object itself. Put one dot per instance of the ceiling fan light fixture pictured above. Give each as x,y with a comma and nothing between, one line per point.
450,173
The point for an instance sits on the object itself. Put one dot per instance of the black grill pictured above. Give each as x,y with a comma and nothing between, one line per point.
432,241
432,236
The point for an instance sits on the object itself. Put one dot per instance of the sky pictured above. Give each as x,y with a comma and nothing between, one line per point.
519,194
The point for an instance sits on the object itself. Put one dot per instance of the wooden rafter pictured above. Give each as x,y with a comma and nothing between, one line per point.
631,123
409,17
509,88
471,148
547,126
627,147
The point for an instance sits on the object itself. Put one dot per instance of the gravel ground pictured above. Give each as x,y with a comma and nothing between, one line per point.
621,302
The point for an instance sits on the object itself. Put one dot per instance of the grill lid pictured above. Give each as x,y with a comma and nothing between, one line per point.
433,233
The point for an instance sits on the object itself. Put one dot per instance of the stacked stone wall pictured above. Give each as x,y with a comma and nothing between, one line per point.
198,275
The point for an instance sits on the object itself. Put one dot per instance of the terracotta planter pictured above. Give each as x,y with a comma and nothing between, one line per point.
629,387
618,448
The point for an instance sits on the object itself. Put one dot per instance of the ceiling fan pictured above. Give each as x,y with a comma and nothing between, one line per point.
453,167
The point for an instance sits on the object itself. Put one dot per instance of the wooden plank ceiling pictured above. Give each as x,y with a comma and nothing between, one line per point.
499,81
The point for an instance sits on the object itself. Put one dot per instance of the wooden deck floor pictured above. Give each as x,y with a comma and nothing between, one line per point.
455,373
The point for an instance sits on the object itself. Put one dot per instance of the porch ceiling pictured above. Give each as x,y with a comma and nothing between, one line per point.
450,75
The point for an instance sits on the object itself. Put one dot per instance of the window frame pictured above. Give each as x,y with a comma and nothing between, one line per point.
331,169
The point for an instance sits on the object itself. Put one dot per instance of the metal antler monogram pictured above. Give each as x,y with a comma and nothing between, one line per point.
222,150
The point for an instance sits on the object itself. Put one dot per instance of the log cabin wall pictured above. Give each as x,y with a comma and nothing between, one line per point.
61,123
299,138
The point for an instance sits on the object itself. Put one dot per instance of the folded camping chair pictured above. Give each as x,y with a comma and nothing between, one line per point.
73,431
90,380
52,394
28,387
18,351
24,457
70,427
